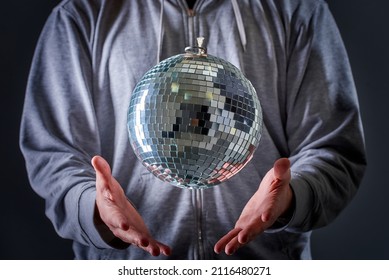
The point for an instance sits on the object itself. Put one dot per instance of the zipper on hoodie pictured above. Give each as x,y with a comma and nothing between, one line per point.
191,14
197,194
198,203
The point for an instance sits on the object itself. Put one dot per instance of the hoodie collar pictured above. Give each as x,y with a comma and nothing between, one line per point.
198,6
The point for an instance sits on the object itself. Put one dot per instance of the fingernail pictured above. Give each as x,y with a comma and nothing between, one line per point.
144,242
155,252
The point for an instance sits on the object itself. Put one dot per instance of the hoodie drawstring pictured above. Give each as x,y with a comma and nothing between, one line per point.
239,22
160,35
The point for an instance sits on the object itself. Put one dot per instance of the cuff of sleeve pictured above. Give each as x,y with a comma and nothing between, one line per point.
95,230
304,201
283,222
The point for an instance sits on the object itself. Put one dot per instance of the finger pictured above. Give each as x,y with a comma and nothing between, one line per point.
155,248
102,168
232,246
164,249
244,236
249,233
221,244
117,221
103,176
132,236
282,169
268,214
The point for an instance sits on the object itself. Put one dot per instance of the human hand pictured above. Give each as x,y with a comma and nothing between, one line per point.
119,214
272,199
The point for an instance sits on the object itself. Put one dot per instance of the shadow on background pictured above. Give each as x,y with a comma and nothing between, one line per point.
360,232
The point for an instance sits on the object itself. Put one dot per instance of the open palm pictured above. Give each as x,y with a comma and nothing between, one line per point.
272,199
119,214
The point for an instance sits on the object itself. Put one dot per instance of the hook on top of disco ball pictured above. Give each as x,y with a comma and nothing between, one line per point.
198,50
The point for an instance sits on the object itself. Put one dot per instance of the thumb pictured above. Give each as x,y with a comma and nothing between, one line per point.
101,167
105,185
282,169
281,172
103,174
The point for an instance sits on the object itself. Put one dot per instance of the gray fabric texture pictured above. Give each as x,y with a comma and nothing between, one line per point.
90,56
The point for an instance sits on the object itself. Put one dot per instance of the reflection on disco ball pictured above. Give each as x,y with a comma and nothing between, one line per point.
194,120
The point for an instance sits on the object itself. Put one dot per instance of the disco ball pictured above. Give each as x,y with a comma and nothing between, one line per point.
194,120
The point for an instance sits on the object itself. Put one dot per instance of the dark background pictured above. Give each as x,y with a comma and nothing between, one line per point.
360,232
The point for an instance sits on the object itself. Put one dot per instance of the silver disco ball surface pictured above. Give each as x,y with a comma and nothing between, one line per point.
194,120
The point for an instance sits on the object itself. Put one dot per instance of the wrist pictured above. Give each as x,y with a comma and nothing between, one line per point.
291,205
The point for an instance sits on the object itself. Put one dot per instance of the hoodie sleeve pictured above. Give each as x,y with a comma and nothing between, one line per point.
324,129
59,132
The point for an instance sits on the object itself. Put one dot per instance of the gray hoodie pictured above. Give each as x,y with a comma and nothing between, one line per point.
88,60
